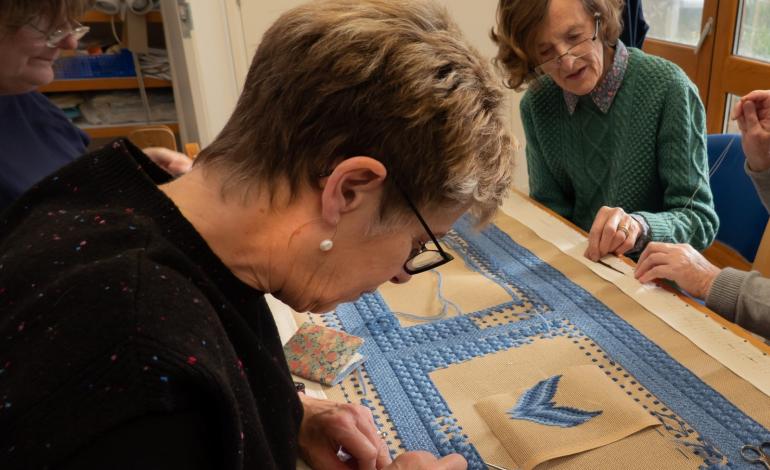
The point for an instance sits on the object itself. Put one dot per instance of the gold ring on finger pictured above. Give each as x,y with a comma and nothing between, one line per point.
624,229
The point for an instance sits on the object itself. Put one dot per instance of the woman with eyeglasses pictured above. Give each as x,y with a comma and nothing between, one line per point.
135,331
35,136
616,138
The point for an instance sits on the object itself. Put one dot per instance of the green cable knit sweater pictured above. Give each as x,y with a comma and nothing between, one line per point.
647,155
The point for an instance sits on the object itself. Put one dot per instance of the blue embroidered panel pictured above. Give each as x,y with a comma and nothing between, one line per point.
400,358
536,405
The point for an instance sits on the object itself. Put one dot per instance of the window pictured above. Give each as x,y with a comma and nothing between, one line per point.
753,37
741,61
676,28
723,45
730,127
676,21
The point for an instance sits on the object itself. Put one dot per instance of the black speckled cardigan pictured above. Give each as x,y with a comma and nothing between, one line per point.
124,341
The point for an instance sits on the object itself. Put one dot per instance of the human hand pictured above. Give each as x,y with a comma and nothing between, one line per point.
613,231
421,460
175,163
680,263
752,113
327,425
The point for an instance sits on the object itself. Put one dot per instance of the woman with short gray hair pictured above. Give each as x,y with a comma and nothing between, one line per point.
135,329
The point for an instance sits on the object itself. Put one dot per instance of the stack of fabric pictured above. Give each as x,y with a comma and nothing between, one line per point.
155,64
123,107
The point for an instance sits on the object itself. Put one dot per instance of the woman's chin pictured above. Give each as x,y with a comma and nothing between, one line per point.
17,87
578,89
321,309
330,305
579,84
40,75
324,305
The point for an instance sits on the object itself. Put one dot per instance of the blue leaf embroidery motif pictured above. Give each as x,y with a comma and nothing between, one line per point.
536,405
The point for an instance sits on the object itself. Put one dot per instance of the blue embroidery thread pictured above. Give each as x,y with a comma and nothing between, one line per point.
537,405
401,358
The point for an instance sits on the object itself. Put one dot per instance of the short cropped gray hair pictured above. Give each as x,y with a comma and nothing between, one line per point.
390,79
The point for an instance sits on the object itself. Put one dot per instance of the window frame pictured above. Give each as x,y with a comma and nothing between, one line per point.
696,66
731,74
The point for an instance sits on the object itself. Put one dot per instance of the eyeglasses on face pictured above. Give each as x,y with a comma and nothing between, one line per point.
581,49
425,257
53,38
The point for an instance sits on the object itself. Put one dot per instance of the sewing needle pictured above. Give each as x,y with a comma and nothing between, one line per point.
607,265
495,467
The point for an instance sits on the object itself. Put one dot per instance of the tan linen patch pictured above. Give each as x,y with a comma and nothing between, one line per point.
572,412
464,384
470,290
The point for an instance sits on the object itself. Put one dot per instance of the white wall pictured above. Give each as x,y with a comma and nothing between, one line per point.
475,18
203,67
215,66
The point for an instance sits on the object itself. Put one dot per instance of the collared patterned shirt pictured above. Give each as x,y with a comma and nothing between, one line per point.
605,92
603,96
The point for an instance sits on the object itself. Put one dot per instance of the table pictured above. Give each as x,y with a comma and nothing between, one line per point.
533,308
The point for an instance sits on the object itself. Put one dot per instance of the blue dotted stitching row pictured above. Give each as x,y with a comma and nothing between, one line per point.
715,418
400,359
400,375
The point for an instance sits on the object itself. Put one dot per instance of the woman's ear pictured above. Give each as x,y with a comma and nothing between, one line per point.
352,182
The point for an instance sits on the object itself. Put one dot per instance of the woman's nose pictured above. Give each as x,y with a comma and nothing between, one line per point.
567,61
68,42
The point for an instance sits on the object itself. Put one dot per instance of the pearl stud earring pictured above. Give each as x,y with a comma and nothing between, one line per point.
326,245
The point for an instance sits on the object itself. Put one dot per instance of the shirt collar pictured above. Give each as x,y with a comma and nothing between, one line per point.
605,92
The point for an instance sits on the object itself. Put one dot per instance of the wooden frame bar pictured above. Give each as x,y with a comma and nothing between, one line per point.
731,74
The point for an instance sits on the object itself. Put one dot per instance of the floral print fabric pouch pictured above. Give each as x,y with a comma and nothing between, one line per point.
322,354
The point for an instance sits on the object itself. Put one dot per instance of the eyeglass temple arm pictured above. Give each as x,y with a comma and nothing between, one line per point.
597,16
416,212
422,221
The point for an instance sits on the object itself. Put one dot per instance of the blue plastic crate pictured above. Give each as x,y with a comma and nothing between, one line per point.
95,66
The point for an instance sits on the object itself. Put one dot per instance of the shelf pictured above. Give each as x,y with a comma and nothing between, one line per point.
93,16
122,130
94,84
97,19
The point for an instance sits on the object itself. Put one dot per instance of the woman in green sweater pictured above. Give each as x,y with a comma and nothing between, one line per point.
616,138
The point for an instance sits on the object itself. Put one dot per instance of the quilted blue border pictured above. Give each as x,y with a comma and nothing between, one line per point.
400,359
711,414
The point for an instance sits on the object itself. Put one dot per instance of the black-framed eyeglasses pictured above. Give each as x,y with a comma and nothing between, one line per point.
424,258
577,51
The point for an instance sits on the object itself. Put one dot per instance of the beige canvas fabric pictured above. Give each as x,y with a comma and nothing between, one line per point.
462,385
465,384
613,416
738,350
741,393
466,288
